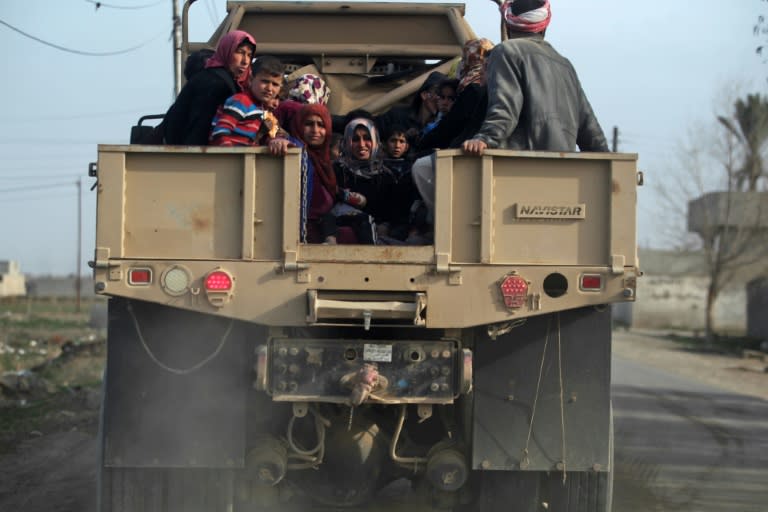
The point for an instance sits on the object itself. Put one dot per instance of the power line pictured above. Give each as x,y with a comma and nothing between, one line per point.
113,6
92,115
80,52
38,187
37,176
44,197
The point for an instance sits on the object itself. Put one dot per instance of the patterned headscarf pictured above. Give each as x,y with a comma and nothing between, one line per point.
471,69
230,42
320,157
533,21
310,88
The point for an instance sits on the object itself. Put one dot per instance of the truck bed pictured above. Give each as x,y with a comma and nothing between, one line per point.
556,220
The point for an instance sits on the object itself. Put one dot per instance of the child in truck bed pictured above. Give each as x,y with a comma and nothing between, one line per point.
245,118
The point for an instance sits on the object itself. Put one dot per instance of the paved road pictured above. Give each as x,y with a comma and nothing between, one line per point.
685,447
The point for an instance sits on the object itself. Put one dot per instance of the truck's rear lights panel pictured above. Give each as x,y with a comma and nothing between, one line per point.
140,276
591,282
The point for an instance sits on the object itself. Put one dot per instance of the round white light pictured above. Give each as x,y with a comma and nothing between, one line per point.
176,280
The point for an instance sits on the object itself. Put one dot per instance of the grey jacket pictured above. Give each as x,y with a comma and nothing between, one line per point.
535,101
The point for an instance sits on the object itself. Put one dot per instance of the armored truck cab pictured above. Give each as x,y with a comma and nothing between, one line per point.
249,371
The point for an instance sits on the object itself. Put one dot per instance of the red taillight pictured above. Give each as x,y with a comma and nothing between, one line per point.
218,280
514,289
139,276
591,282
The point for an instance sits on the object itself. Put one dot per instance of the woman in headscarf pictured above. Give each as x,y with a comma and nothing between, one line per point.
227,72
360,169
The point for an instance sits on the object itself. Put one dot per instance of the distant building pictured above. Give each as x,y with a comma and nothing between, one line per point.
672,294
60,286
12,282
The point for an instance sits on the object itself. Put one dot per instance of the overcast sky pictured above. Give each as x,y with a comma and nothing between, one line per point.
653,70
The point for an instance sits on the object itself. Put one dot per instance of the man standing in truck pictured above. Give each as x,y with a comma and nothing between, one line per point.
535,99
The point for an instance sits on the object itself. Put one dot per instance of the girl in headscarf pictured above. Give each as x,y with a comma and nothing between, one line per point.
327,206
227,72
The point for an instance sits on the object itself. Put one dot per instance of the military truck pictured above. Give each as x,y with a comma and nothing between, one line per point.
249,371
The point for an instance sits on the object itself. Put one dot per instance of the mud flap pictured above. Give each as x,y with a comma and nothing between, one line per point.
506,376
163,408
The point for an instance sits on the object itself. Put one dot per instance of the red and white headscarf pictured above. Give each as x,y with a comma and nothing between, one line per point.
533,21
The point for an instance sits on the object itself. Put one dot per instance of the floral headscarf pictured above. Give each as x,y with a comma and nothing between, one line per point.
230,42
310,88
471,69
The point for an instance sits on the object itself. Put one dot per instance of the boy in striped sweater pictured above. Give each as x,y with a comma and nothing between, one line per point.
245,118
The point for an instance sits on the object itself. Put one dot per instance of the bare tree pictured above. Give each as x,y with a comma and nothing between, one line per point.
719,185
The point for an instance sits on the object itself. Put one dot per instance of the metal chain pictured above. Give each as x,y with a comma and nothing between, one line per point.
304,196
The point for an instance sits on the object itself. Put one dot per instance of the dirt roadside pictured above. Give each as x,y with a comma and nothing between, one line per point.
742,375
52,464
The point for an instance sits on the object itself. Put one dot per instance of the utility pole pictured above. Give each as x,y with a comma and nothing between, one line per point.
176,49
615,147
78,282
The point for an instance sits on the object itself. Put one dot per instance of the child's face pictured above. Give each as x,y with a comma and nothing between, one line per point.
265,87
445,99
397,145
314,131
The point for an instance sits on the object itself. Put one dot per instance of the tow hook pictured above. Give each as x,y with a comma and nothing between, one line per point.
363,382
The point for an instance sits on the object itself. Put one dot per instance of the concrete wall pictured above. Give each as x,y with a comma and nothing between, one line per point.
672,294
54,286
12,282
679,302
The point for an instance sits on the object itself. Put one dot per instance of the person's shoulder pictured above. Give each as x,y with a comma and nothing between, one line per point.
535,47
240,98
